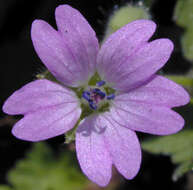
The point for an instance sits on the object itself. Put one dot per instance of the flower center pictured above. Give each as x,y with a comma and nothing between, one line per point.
97,96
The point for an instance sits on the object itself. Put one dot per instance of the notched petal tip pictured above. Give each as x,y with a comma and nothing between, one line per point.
180,127
37,25
186,98
169,45
6,108
9,105
61,8
21,136
148,26
173,129
145,23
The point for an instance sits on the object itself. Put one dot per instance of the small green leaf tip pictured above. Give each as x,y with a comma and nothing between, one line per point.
178,146
46,75
183,17
126,14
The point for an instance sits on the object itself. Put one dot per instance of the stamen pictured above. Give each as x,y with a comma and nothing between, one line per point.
92,105
99,92
86,95
94,96
100,83
111,97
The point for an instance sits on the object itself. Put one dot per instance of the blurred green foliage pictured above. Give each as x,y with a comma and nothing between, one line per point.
4,187
148,3
42,170
179,146
184,17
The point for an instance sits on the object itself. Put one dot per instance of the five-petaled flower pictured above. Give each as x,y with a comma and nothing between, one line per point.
129,96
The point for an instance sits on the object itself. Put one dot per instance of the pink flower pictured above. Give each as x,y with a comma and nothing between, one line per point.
129,97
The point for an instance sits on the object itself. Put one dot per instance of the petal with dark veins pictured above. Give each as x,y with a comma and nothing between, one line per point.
92,153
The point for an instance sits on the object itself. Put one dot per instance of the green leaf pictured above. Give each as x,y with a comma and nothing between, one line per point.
5,187
71,134
46,75
182,169
179,146
41,170
183,17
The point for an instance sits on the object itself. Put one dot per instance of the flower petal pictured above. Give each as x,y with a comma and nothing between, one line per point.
49,110
160,91
146,117
47,123
38,95
122,44
139,67
59,54
123,146
91,151
79,36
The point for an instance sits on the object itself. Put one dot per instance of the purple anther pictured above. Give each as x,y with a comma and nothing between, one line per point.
111,97
92,105
102,94
99,92
100,83
86,95
96,90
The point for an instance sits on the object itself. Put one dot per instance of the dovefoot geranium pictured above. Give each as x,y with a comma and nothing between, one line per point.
115,91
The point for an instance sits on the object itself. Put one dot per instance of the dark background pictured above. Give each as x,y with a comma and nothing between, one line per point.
19,65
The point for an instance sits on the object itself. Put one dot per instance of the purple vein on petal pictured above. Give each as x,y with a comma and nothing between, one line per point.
124,38
162,121
123,146
72,24
72,54
49,122
51,106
